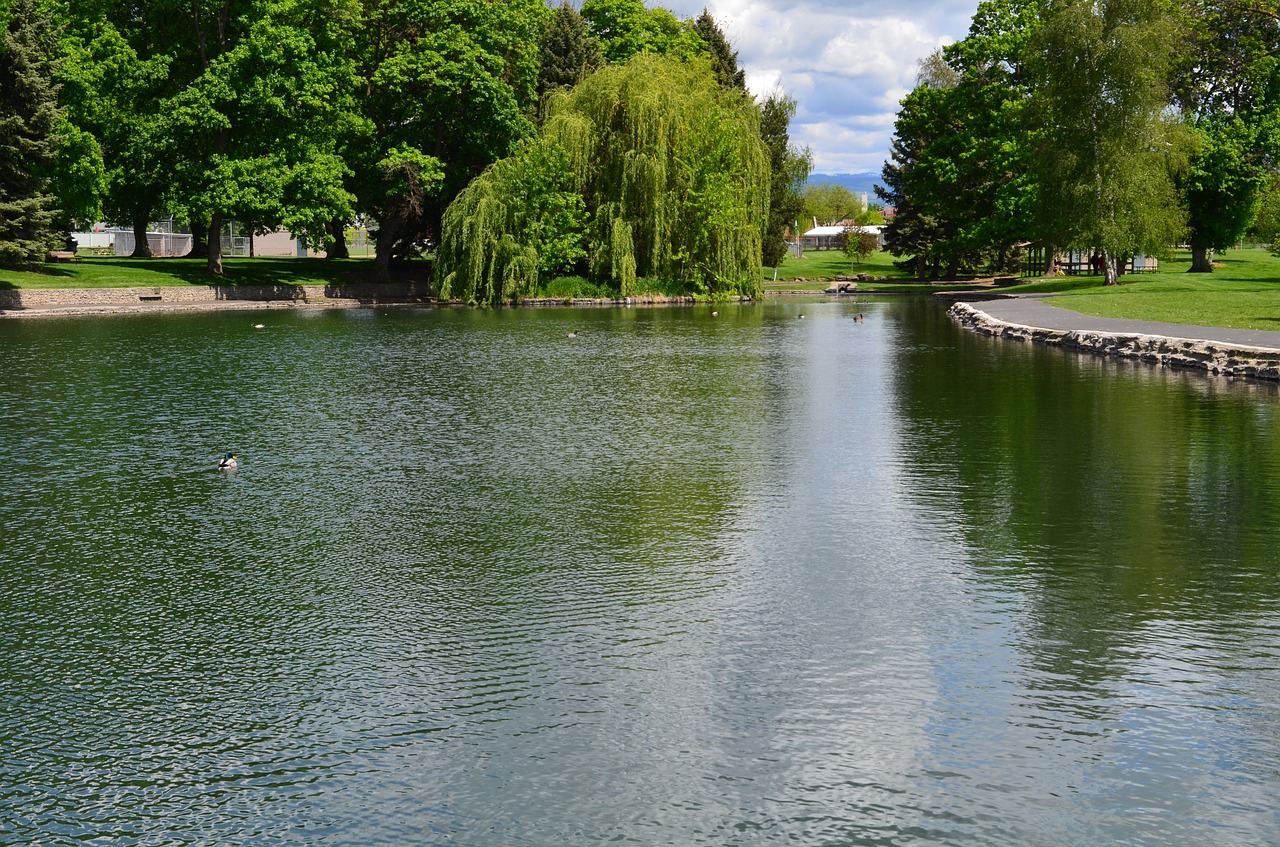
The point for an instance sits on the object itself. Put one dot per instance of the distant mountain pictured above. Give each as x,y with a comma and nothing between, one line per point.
854,182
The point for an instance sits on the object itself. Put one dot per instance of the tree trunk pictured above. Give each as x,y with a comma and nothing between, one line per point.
338,232
1050,261
199,241
1201,260
382,263
1109,268
141,249
215,245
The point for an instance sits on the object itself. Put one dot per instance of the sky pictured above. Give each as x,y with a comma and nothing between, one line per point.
847,63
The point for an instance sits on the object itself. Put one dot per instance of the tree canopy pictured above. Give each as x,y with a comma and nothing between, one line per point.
1109,127
647,169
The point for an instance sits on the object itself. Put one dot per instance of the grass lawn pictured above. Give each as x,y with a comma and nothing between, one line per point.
824,264
127,273
1243,292
815,270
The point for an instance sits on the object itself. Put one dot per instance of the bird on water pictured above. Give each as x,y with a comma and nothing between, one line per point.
227,462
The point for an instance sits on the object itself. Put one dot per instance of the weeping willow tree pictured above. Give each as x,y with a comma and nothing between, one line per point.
648,169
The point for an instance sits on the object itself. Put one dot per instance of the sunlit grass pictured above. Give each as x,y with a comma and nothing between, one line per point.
137,273
825,264
1243,292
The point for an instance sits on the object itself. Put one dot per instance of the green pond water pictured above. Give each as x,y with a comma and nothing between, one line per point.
682,580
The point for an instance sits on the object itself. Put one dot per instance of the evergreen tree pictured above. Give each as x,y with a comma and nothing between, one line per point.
724,59
789,167
28,143
568,51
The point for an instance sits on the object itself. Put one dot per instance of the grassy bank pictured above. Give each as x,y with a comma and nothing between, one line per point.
817,266
1243,292
130,273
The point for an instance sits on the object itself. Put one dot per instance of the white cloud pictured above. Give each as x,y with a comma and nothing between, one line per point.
847,65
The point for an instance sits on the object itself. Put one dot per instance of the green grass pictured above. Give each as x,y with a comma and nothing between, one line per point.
818,267
127,273
1243,292
824,264
573,287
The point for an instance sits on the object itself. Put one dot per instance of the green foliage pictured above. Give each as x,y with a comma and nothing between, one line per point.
957,176
1223,184
29,116
625,28
858,244
1265,227
724,59
789,167
568,51
574,288
829,204
871,216
518,219
1106,146
1226,84
116,102
648,169
456,80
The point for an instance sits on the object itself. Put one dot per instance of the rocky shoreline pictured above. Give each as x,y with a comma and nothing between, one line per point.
62,302
1212,357
53,302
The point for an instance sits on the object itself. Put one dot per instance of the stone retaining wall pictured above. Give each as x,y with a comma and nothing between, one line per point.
1211,356
106,298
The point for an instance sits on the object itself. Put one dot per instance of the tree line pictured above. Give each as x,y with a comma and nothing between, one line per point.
309,115
1110,127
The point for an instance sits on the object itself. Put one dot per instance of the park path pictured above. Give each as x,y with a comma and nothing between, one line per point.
1036,311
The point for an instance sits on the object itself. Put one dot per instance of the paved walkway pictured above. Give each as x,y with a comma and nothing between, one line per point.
1035,311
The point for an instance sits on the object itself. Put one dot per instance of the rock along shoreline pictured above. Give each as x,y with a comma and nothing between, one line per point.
64,302
1212,357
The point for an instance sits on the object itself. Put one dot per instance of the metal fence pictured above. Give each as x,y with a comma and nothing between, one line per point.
161,243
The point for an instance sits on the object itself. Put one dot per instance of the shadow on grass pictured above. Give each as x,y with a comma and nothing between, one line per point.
63,273
255,271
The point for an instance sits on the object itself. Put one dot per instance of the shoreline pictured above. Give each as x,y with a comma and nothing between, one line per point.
71,302
1218,357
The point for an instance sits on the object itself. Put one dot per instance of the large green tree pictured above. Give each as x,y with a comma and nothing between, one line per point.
648,169
1106,147
29,115
789,168
117,95
1227,85
447,87
828,203
957,176
627,27
263,116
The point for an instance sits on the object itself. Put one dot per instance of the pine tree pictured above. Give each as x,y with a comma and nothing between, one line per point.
788,169
28,143
569,52
724,59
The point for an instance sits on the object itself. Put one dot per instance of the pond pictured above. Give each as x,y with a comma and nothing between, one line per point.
771,576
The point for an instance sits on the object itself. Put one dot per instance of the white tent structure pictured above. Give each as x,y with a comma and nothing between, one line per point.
827,237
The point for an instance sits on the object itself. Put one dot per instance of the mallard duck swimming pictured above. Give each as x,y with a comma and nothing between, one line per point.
227,462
